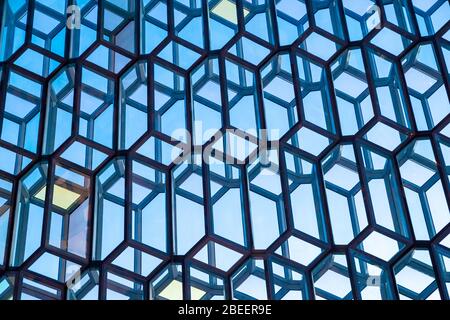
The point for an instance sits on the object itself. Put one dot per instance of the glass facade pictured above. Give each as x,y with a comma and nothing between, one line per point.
224,149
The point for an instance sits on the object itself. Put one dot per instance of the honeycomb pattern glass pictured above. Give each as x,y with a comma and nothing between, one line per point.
224,149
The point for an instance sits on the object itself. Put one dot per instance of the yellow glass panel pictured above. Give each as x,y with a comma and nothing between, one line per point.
41,194
196,294
62,197
174,291
227,10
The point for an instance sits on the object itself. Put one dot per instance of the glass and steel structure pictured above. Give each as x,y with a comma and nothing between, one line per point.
224,149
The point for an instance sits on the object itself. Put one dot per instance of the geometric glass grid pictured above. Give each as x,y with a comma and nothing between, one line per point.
224,149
